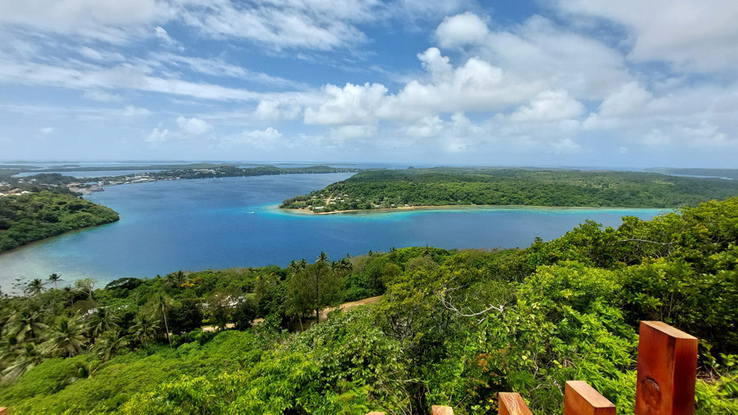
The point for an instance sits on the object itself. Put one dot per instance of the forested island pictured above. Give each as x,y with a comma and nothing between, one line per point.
451,327
387,189
30,216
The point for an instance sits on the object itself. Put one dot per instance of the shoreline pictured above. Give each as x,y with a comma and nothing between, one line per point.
304,211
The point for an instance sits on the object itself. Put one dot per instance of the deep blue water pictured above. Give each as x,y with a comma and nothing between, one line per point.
220,223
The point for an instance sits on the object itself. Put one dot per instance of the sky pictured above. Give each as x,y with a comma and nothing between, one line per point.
626,83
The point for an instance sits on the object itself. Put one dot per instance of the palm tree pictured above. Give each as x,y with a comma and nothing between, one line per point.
103,320
110,344
66,338
28,324
35,287
162,303
176,279
27,356
55,278
144,329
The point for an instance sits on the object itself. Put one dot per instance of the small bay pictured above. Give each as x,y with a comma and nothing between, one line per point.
235,222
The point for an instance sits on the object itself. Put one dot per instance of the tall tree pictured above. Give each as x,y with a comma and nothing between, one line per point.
55,278
35,287
103,320
144,328
161,304
66,338
313,288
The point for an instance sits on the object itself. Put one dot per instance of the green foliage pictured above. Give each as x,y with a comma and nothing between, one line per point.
451,328
381,189
30,217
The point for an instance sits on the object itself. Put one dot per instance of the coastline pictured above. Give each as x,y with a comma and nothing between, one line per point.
308,212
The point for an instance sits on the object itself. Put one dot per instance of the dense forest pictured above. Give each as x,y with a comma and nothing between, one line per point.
30,217
382,189
451,327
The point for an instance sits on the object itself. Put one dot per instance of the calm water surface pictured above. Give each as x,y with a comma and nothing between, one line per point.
220,223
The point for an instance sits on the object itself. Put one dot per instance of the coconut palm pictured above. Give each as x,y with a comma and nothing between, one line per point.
35,287
28,324
55,278
110,344
144,329
161,304
27,356
66,338
103,320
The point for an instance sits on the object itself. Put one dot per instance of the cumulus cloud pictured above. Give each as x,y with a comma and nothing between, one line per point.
548,106
566,146
694,35
352,104
461,29
193,126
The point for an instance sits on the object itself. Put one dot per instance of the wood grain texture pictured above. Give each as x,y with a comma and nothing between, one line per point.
441,410
582,399
512,404
667,370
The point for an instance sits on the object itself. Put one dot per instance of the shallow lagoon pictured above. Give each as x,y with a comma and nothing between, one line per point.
220,223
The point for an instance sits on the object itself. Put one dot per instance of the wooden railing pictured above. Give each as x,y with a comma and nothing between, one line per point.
667,373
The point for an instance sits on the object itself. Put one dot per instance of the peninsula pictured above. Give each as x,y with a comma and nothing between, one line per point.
411,188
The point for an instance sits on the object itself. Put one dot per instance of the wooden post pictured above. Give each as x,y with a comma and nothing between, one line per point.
4,411
511,404
582,399
441,410
370,413
667,370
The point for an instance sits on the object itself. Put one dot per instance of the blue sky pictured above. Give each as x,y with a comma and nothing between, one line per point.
554,83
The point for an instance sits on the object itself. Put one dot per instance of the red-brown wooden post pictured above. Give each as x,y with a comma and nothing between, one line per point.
4,411
582,399
511,404
441,410
667,370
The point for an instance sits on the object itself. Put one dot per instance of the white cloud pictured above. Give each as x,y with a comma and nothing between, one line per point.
548,106
429,126
163,35
193,126
133,111
102,96
630,98
350,105
461,29
157,135
699,35
47,130
566,146
268,134
276,110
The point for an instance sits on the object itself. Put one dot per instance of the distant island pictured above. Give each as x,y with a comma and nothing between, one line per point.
211,172
411,188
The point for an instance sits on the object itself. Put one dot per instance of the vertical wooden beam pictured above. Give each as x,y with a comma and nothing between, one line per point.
512,404
667,370
441,410
582,399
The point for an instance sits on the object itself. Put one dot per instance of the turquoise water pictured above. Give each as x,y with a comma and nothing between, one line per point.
220,223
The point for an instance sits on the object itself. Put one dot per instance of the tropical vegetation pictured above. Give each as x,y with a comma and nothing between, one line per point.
385,189
451,327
